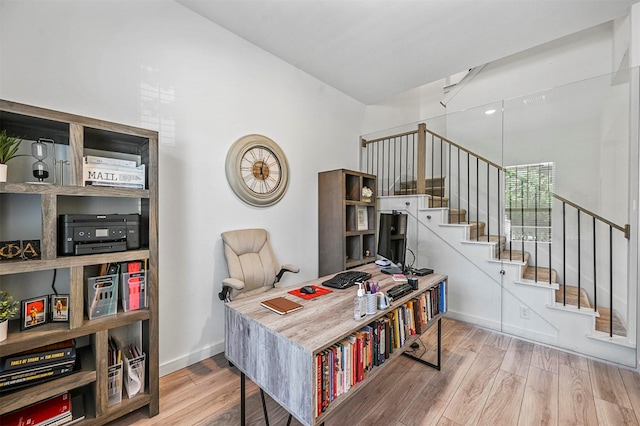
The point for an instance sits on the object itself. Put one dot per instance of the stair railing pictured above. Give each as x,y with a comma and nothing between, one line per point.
430,157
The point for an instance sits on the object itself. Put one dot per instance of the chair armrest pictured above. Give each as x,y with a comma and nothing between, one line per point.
234,283
290,268
286,268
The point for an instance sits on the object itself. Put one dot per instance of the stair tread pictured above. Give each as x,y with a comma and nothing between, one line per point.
603,322
516,256
572,296
542,274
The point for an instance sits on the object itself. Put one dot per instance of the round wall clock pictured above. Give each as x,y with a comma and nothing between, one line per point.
257,170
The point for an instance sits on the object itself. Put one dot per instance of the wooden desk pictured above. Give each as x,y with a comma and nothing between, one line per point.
277,352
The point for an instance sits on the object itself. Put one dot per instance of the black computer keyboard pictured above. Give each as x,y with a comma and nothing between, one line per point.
346,279
399,290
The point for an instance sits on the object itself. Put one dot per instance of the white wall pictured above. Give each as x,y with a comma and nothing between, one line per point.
156,64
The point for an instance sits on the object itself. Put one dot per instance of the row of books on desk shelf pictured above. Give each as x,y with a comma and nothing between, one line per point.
62,409
37,365
102,290
113,172
347,362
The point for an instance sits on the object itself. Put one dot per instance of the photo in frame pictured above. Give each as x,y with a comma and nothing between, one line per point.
34,312
363,218
59,307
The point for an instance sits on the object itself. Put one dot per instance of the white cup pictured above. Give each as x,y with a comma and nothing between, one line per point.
371,303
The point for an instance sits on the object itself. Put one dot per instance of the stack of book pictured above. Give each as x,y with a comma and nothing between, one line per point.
346,363
37,365
52,411
113,172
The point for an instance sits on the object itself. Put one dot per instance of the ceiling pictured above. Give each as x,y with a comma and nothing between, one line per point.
374,49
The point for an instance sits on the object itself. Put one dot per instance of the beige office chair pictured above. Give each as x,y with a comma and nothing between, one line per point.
253,268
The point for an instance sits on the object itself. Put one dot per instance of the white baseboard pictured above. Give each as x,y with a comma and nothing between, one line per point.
191,358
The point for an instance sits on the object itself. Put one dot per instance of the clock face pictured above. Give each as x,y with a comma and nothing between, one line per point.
261,170
257,170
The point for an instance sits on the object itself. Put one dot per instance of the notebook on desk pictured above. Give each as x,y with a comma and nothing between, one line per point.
281,305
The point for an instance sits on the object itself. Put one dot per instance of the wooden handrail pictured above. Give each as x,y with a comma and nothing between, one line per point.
366,142
624,229
422,127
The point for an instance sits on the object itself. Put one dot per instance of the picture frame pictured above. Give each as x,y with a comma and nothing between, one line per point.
59,307
363,218
34,312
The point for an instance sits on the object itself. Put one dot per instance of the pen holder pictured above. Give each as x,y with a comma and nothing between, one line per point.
371,303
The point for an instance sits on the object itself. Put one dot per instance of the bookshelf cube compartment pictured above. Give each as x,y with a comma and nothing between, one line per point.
369,244
134,372
114,384
102,296
354,249
352,187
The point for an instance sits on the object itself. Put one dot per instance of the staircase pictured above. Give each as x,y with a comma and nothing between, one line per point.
564,294
498,284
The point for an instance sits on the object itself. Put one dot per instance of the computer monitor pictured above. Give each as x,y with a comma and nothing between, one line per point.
392,238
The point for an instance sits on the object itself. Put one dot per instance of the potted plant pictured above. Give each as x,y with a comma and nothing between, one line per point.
8,149
8,308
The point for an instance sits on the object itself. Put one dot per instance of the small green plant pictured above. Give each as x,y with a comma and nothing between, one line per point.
8,147
8,306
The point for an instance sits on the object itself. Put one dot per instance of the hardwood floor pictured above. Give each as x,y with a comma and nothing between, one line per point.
486,379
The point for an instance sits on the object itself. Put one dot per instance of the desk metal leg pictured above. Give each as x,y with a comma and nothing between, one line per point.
430,364
243,407
242,395
264,408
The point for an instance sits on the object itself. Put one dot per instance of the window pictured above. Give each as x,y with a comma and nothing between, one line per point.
528,198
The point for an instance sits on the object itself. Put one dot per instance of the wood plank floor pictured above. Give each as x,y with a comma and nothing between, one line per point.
487,378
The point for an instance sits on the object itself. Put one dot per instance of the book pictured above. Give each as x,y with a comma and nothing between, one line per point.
112,175
38,356
49,411
77,409
18,378
94,159
281,305
399,278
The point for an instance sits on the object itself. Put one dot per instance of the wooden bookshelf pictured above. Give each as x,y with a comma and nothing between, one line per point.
343,244
278,352
75,136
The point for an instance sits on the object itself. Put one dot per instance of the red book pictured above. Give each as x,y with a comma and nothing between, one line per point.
319,382
40,412
360,359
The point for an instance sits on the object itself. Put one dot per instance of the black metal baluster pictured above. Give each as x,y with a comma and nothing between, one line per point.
433,167
499,216
610,281
595,269
468,188
449,173
579,258
488,224
536,195
477,195
458,173
564,254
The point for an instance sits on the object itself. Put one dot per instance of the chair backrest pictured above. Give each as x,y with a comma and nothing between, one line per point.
250,257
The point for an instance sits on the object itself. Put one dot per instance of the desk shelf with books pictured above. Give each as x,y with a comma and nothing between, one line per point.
32,210
289,371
